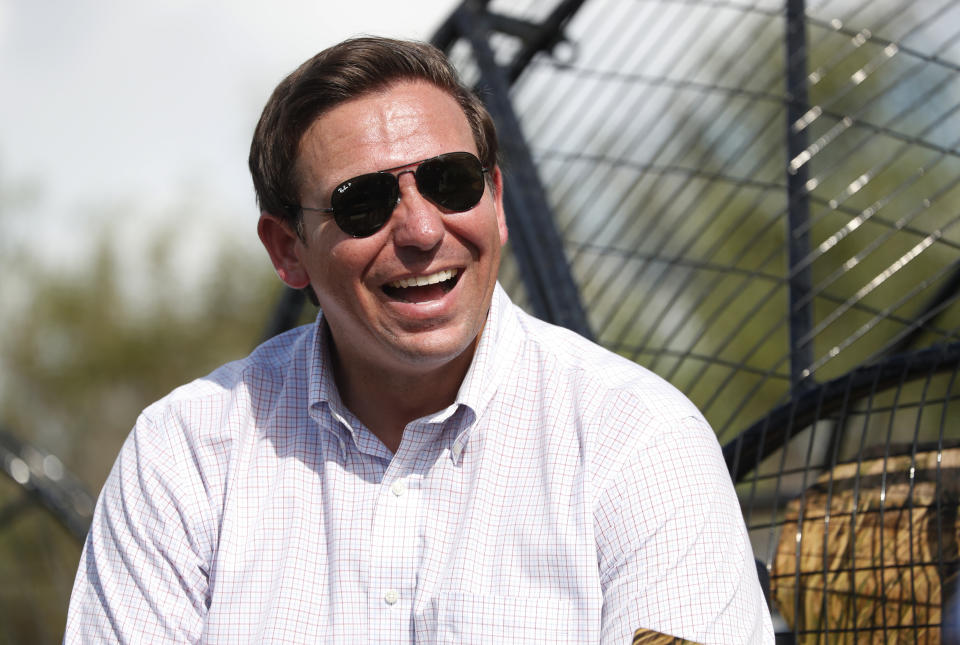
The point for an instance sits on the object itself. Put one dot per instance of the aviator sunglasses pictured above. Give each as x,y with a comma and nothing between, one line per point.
361,206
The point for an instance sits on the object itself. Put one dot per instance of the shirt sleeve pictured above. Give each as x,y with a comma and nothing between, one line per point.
143,572
673,550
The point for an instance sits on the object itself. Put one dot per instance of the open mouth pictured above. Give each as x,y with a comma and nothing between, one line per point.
423,288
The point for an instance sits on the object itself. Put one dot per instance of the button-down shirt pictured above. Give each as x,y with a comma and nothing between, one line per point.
566,496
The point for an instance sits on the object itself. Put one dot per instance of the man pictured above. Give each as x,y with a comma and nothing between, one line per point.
426,463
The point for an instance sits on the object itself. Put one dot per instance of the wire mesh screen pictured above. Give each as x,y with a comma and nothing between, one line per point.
758,201
661,139
857,516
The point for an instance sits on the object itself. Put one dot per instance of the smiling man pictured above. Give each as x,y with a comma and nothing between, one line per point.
425,463
405,303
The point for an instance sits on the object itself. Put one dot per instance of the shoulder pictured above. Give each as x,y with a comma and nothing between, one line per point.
598,373
225,400
191,440
601,405
281,358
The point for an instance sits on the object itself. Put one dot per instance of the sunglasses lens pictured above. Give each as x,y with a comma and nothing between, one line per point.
453,181
362,205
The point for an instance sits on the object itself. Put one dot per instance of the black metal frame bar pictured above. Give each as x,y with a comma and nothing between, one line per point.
538,248
744,453
798,200
552,291
64,496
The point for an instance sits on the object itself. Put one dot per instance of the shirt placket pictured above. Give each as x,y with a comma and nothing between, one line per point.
395,543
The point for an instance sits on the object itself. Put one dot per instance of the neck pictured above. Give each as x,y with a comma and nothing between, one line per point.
385,401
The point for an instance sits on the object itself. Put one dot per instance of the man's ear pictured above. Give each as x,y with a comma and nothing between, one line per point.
281,242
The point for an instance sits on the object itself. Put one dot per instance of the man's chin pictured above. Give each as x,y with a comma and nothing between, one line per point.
433,347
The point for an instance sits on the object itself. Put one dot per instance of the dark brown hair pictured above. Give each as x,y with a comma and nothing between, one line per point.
346,71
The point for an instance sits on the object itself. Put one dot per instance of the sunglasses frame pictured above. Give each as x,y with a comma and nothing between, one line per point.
412,167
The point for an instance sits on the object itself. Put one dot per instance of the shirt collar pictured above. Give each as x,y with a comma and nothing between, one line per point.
495,354
324,397
498,342
323,388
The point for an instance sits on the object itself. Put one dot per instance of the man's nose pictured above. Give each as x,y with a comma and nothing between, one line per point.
418,222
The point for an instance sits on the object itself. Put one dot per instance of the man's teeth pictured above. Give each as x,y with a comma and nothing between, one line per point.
423,280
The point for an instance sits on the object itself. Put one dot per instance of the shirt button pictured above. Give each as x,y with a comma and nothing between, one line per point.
457,449
391,597
398,488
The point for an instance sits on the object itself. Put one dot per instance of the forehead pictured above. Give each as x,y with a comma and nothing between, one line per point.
406,122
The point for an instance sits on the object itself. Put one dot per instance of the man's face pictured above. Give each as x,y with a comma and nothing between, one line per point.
377,322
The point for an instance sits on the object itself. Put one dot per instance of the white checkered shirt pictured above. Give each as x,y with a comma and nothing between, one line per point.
567,496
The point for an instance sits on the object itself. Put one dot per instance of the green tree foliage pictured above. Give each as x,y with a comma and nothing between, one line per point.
80,359
86,358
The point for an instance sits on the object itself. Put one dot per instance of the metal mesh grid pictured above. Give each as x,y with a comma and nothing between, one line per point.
759,205
857,517
661,142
